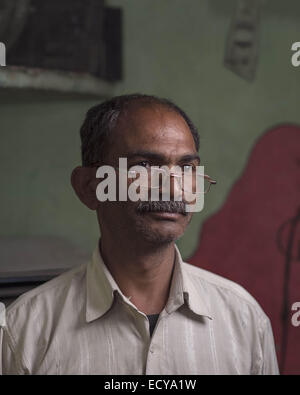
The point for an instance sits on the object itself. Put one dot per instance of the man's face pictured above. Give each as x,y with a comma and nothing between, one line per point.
148,136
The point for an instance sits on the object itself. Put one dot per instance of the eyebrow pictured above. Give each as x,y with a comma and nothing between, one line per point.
156,156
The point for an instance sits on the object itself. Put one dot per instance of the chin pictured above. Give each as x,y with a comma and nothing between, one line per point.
160,233
159,238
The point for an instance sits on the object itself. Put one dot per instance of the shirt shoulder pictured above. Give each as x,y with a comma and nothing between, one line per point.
236,315
50,290
33,317
219,288
39,309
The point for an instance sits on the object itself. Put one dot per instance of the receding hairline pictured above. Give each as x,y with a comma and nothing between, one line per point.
104,118
130,111
134,107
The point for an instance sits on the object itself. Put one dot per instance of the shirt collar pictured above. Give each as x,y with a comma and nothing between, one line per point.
185,291
102,288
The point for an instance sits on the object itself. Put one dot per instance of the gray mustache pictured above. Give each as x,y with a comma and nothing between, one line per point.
161,206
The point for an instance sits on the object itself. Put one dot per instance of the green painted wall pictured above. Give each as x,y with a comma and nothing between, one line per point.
172,48
39,147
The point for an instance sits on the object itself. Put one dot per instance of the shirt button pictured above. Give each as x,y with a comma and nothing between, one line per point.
152,350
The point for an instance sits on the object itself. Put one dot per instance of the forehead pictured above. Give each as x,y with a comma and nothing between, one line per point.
153,128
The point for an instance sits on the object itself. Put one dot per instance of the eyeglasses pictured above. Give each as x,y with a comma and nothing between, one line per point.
187,180
159,177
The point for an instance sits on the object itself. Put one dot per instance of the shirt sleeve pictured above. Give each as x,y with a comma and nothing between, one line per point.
2,341
269,365
8,365
2,325
1,356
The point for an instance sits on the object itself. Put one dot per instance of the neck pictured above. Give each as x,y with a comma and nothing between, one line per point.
142,272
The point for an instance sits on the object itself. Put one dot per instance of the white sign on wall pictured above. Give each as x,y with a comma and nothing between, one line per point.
242,45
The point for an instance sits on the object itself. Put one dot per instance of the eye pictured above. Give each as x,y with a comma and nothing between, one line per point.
188,167
144,163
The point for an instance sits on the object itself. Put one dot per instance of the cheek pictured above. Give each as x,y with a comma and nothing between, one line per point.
120,212
111,211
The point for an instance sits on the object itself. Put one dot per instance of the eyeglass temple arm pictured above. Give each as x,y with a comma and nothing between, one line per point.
208,178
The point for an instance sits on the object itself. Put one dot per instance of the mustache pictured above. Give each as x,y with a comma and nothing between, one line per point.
161,206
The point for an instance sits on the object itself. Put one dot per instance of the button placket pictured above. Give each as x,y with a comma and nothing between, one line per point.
153,357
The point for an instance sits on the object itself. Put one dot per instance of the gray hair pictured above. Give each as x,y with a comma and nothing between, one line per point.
101,119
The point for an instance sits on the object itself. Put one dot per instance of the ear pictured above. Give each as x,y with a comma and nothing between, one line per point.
84,183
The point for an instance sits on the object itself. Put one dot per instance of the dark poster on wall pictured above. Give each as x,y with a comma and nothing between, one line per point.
69,35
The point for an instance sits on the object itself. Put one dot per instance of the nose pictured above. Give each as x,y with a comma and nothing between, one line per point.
173,188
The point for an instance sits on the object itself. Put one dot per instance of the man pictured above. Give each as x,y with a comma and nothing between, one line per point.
136,308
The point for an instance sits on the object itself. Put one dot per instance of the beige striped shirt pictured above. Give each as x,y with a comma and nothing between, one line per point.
81,323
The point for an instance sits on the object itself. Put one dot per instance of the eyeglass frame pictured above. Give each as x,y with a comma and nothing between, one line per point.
172,174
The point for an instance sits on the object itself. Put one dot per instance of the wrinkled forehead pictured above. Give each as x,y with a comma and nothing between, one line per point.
151,127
